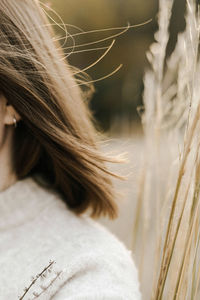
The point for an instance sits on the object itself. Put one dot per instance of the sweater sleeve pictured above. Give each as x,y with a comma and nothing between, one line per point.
100,277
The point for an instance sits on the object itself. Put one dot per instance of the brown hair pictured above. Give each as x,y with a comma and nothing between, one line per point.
56,136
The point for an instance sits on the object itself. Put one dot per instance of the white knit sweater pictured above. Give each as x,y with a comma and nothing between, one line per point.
37,228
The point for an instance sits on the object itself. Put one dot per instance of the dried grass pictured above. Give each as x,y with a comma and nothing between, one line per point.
171,164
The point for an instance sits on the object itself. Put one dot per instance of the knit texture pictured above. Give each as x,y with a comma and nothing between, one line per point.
86,261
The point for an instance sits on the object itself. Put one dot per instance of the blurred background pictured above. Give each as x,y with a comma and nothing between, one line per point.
117,97
117,100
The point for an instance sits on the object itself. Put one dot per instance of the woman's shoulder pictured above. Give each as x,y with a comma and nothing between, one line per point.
80,229
92,260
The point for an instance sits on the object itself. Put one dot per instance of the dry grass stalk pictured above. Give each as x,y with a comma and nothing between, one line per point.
40,275
152,123
172,117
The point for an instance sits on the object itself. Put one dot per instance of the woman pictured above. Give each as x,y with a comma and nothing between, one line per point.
51,173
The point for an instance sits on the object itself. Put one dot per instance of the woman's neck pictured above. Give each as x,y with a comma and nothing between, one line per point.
7,174
7,180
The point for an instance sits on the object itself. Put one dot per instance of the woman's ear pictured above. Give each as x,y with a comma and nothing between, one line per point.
10,114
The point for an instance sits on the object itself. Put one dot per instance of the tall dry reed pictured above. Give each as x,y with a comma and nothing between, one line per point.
167,229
